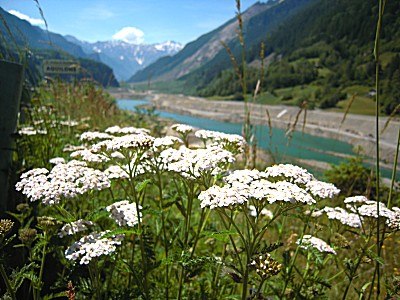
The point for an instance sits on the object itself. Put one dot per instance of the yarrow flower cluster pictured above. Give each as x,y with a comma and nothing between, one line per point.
341,215
310,241
166,142
92,246
300,187
95,135
130,141
290,172
224,196
191,163
63,181
126,130
57,160
124,213
182,128
74,227
224,139
89,156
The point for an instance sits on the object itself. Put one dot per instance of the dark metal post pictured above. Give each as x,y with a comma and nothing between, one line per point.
11,80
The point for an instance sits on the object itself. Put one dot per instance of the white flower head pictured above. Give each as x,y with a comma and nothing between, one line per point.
74,227
126,130
182,128
224,196
124,213
341,215
322,189
94,135
57,160
314,242
89,156
292,173
92,246
63,181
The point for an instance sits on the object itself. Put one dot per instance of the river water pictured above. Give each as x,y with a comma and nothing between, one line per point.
303,146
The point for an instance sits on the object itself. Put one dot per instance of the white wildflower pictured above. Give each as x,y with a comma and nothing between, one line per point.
244,176
94,135
224,196
293,173
394,221
115,172
126,130
124,213
92,246
135,141
182,128
289,192
224,139
370,210
355,199
192,163
340,214
322,189
314,242
57,160
74,227
64,181
165,142
89,156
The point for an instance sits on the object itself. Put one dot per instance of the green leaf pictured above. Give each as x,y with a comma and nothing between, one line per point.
375,257
142,185
219,235
363,290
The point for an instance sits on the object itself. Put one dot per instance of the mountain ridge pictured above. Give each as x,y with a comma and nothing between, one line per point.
126,58
204,49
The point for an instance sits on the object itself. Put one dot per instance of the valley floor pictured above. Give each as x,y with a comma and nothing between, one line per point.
357,130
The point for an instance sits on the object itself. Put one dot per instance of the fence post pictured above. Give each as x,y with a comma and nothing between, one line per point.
11,79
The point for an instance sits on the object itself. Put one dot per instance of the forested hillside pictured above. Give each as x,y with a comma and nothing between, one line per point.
20,41
324,60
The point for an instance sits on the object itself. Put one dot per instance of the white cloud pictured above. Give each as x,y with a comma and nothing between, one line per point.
130,35
33,21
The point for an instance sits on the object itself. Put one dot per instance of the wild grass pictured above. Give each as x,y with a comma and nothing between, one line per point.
121,214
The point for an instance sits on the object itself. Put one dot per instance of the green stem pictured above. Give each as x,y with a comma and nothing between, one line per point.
354,270
142,250
377,110
37,291
289,271
160,193
7,282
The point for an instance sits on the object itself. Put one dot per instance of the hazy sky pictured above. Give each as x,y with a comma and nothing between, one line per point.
138,21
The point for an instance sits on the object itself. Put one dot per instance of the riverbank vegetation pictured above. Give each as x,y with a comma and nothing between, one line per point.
108,206
108,210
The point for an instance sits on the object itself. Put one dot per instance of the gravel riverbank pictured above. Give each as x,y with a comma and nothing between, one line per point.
357,130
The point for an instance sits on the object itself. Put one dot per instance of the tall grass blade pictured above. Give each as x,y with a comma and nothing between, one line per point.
391,117
348,109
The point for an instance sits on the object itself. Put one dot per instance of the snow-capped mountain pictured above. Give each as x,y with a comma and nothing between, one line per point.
125,58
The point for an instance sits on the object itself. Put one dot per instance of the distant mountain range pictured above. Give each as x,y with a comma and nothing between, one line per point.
207,54
22,42
96,58
125,58
318,52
